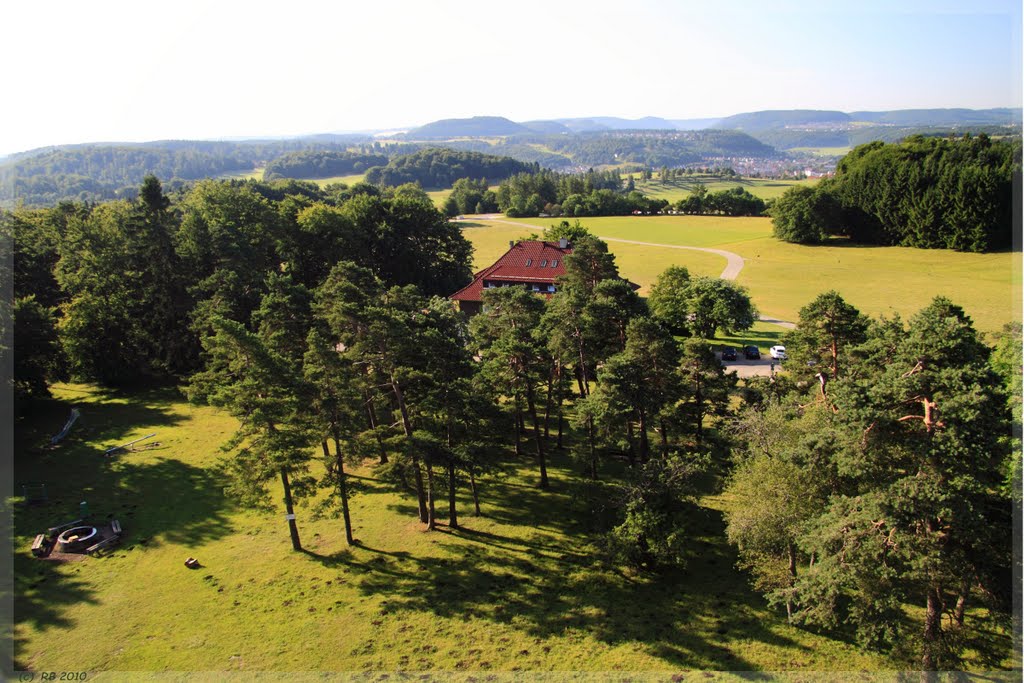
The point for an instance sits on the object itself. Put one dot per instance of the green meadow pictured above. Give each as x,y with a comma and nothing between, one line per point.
782,277
681,188
522,587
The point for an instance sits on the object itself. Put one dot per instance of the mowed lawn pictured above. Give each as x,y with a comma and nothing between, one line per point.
522,587
782,278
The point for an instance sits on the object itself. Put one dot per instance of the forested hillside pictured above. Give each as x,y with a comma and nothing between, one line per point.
99,172
321,164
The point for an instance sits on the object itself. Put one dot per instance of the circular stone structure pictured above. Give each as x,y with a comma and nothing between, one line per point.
76,539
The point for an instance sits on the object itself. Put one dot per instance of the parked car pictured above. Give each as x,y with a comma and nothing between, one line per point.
752,352
728,353
778,352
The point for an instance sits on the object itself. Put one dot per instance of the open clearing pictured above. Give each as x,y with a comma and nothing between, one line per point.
782,278
520,588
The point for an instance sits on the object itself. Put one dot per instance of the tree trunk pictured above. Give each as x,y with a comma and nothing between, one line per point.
561,423
518,433
472,487
293,528
932,629
593,449
453,520
371,413
421,498
532,407
664,439
632,443
342,488
961,601
431,517
645,446
547,405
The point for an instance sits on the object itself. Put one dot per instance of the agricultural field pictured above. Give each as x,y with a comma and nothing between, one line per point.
782,277
681,188
522,587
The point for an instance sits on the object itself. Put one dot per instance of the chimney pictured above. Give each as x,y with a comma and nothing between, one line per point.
511,243
563,243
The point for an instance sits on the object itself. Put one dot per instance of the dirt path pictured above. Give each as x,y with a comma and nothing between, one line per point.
733,262
733,266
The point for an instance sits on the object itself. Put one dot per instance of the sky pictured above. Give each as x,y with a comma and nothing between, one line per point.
123,70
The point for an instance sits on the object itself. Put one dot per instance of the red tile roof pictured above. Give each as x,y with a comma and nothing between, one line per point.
512,267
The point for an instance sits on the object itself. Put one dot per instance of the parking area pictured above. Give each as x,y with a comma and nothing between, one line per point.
751,368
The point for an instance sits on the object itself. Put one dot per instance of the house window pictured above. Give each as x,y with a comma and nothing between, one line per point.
529,262
551,288
543,263
554,263
536,288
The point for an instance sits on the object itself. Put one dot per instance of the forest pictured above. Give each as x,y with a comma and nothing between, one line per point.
931,193
438,167
101,172
875,480
321,164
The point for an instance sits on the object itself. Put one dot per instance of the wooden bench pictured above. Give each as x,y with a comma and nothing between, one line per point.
102,544
116,526
39,546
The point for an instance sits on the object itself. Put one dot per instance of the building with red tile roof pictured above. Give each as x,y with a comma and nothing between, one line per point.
529,263
533,264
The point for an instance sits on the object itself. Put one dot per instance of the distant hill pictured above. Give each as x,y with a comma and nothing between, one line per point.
548,127
941,117
783,118
600,123
478,126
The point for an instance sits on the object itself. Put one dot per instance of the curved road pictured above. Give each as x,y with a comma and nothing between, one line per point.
733,266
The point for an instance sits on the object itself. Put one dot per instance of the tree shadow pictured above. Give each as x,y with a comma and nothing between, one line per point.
156,498
545,586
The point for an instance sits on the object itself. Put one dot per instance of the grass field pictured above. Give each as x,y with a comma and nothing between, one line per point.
782,278
521,587
681,188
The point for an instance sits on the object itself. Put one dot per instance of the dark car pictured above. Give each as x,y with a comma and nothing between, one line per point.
728,353
752,352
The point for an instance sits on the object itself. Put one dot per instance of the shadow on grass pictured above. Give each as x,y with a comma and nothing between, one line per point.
155,497
546,586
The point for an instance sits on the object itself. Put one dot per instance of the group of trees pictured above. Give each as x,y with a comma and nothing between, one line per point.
470,196
321,164
923,192
736,201
439,167
877,475
130,287
594,193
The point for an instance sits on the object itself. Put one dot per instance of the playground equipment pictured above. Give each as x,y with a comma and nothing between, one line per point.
67,427
128,446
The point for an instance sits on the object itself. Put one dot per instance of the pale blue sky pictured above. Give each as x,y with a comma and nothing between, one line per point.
125,70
